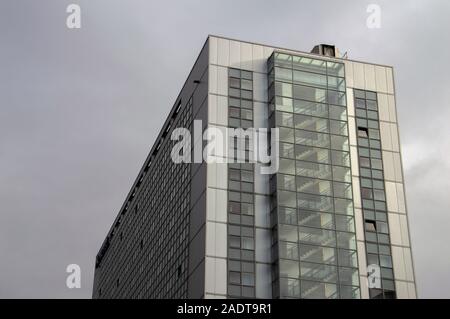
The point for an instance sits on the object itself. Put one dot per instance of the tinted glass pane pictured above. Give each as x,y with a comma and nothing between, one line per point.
310,108
309,93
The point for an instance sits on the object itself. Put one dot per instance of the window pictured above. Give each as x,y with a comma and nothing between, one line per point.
371,95
310,94
315,202
316,219
340,158
312,154
360,103
248,279
235,83
283,89
308,64
363,132
361,113
247,209
335,68
287,150
313,186
288,233
287,166
247,114
341,174
283,104
374,134
315,170
311,123
313,108
234,241
366,193
359,94
288,250
234,112
339,143
364,161
235,277
337,98
234,73
382,227
385,261
370,226
284,60
365,172
338,128
282,74
248,243
336,83
338,112
375,144
287,199
284,119
246,85
377,174
345,223
372,115
287,215
286,135
286,182
307,78
313,139
342,190
234,207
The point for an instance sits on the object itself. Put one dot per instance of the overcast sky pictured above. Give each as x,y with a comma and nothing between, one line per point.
80,109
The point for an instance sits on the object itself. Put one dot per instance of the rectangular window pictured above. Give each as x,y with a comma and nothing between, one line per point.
308,78
310,94
312,108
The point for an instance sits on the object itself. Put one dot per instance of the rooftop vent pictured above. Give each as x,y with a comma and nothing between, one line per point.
326,50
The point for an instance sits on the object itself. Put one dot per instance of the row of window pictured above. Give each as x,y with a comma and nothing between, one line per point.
314,154
319,272
306,64
313,186
309,108
287,77
316,236
309,138
307,93
315,170
313,219
309,123
372,191
241,232
295,288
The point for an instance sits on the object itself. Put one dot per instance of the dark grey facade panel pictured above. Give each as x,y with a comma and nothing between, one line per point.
146,253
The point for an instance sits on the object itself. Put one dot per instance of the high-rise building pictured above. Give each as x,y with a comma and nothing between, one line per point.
331,222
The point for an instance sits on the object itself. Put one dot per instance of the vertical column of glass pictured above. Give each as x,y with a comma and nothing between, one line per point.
373,193
314,245
241,224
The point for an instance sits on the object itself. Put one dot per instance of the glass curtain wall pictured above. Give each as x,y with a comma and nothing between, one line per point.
314,244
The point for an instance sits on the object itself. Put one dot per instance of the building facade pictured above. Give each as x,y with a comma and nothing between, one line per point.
331,222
